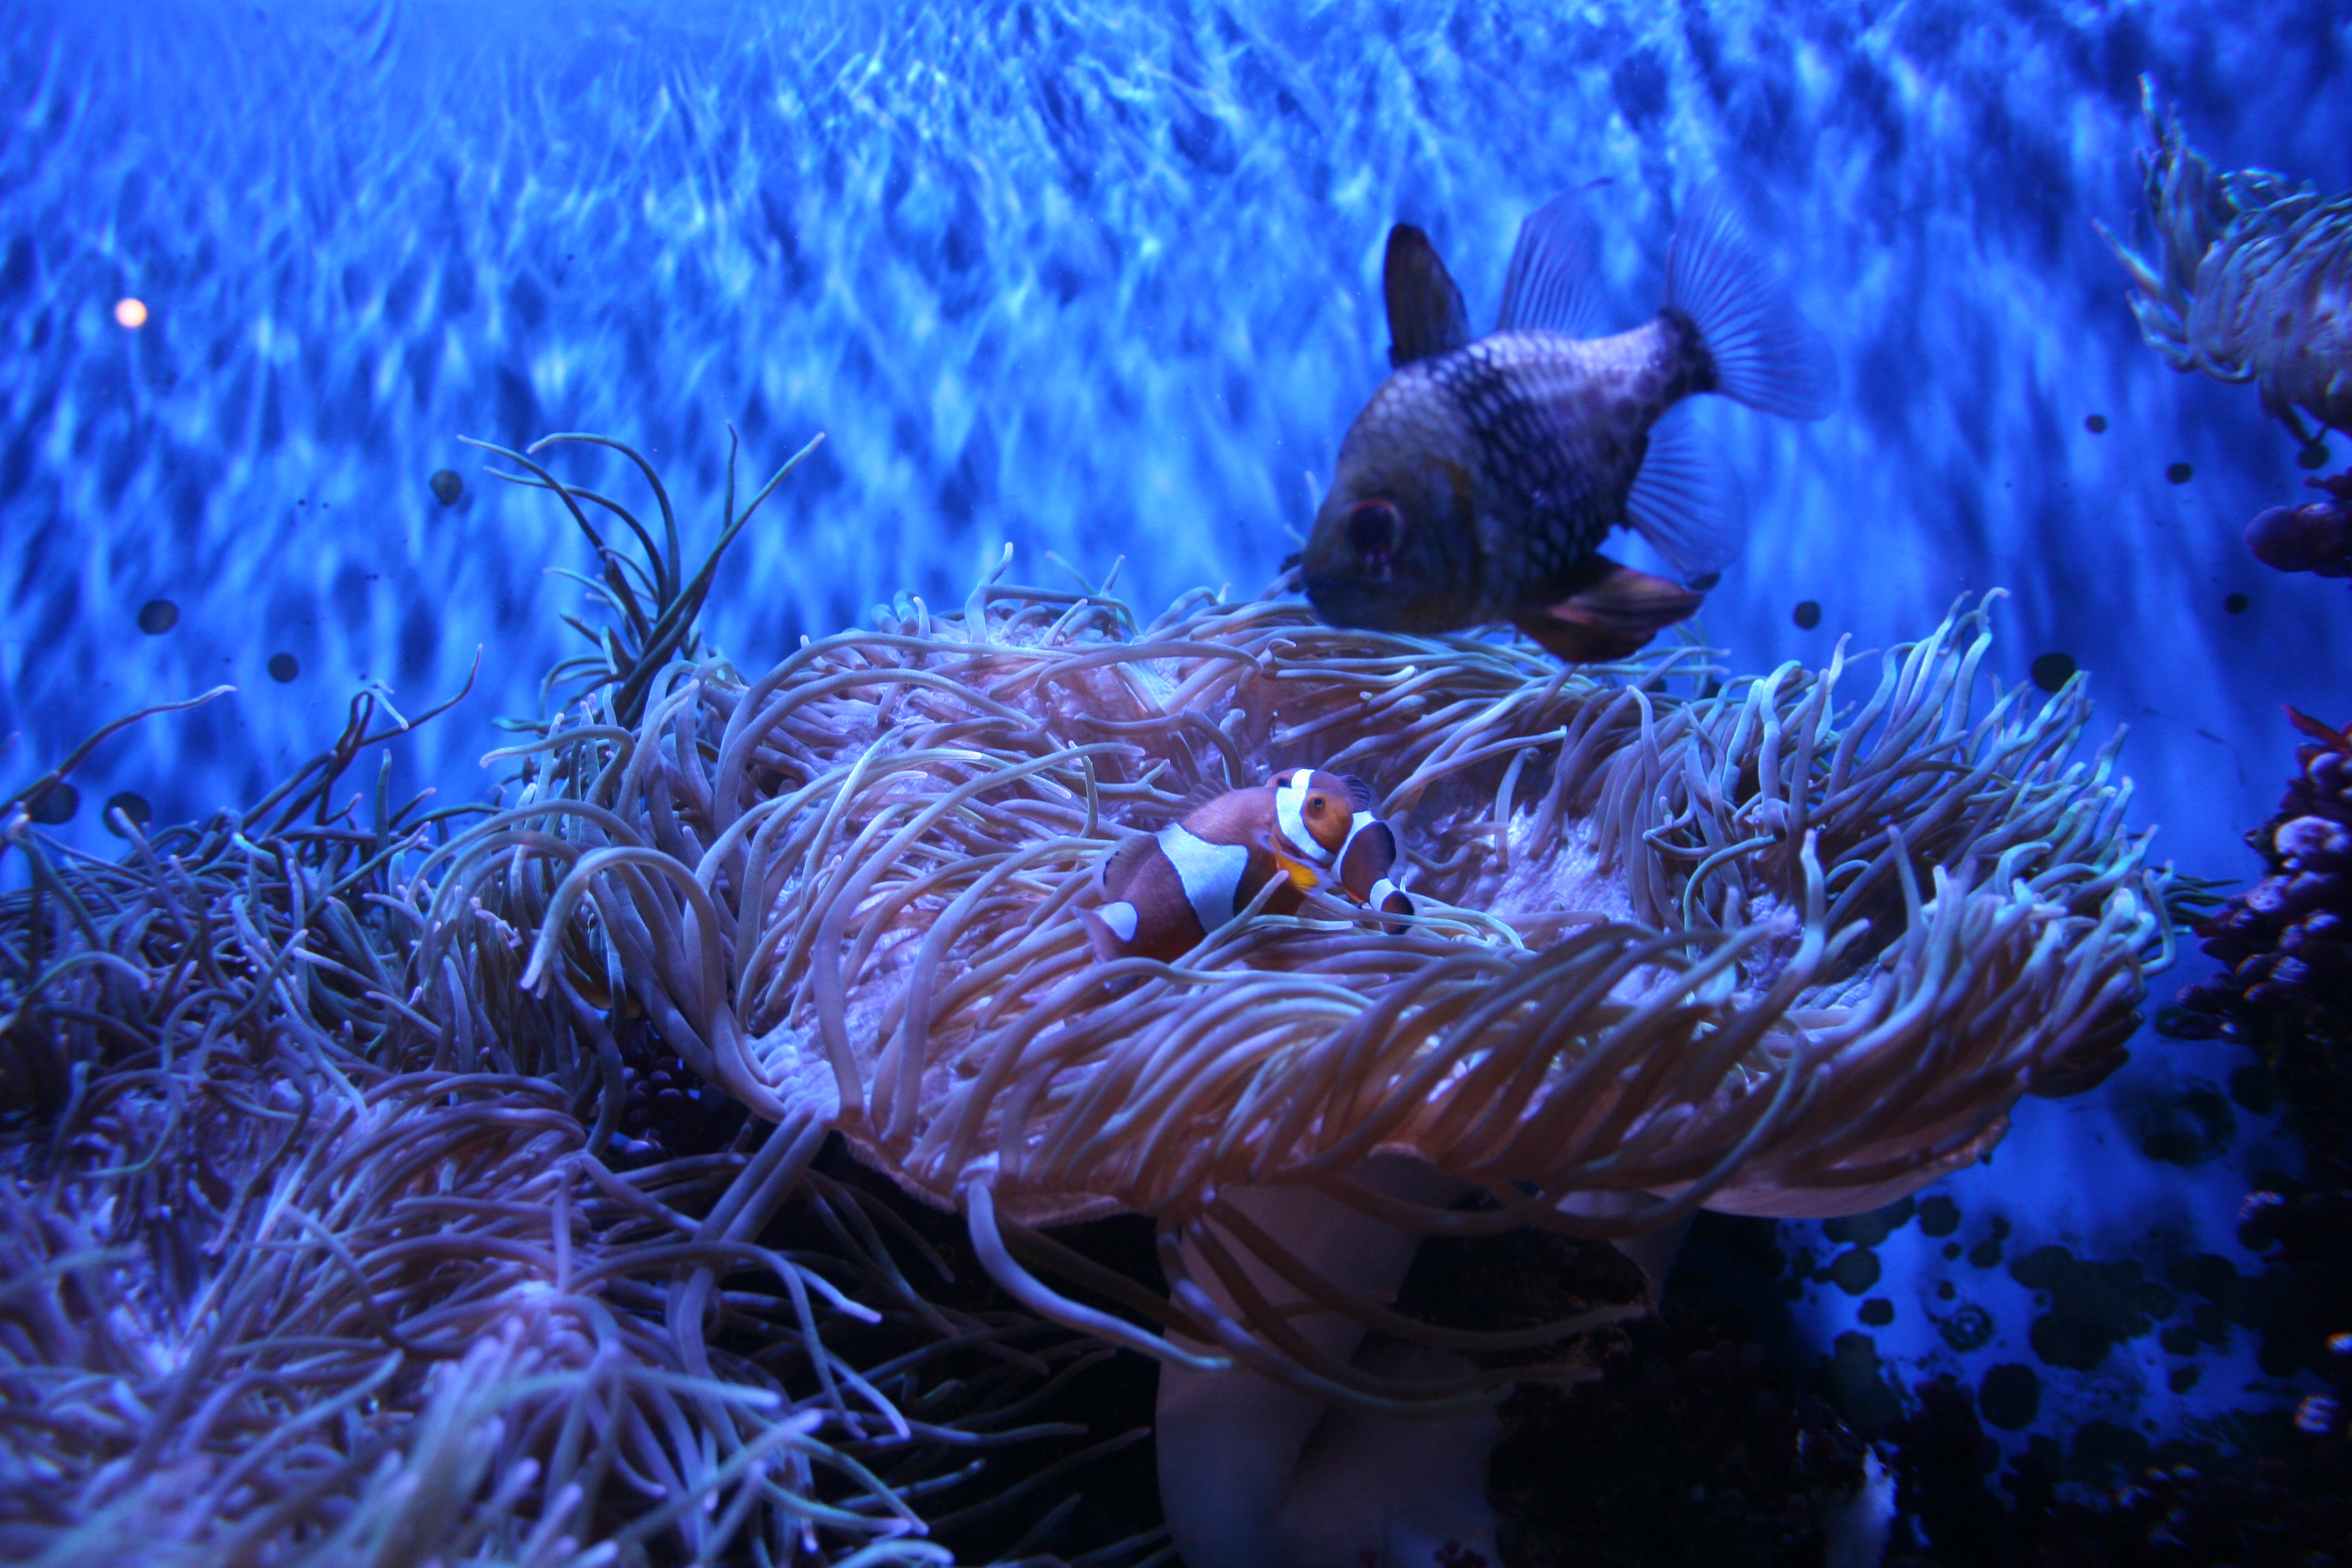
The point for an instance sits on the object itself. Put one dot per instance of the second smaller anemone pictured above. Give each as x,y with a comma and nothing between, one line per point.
2251,279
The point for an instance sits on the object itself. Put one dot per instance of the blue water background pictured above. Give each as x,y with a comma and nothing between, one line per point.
1099,279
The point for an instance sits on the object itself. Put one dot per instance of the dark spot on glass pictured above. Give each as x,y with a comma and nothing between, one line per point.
2010,1395
1855,1270
2053,670
2180,1339
2236,604
1938,1216
157,617
1871,1228
2181,1379
2313,457
134,806
2255,1088
1807,615
2096,424
2190,1129
447,486
1951,1252
283,668
1968,1329
55,805
1945,1290
2180,473
2093,1306
1878,1311
1985,1254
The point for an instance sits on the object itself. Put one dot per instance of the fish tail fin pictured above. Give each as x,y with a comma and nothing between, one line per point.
1765,355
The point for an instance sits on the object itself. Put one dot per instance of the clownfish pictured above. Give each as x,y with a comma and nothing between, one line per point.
1163,893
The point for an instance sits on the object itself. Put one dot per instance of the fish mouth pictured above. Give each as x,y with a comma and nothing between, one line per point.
1348,601
1350,569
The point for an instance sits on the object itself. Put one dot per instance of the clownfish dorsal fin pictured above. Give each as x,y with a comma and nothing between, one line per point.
1118,866
1358,792
1200,794
1229,815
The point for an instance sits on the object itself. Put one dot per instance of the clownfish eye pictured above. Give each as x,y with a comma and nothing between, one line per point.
1316,805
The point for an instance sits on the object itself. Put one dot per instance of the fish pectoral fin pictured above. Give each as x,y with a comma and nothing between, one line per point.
1425,311
1301,876
1611,616
1685,502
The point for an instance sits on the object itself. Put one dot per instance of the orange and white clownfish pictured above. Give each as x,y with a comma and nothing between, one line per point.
1162,894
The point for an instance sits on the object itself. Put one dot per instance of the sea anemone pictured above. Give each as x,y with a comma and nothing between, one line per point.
1744,948
339,1218
2252,279
305,1258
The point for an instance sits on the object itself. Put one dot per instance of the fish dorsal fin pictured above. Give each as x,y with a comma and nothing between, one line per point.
1685,502
1553,282
1359,794
1118,866
1425,312
1615,611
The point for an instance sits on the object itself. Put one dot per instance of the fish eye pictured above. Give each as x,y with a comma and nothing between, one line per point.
1316,805
1373,527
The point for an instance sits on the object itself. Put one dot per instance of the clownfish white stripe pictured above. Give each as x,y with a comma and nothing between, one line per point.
1381,892
1289,816
1364,819
1209,873
1122,917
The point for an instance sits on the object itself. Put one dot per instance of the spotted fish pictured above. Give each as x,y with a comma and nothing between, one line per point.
1162,893
1480,482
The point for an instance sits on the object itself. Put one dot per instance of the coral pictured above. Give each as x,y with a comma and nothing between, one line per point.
2314,537
2286,992
2286,943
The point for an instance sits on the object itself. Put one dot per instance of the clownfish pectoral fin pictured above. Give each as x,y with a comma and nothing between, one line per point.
1302,876
1110,929
1615,612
